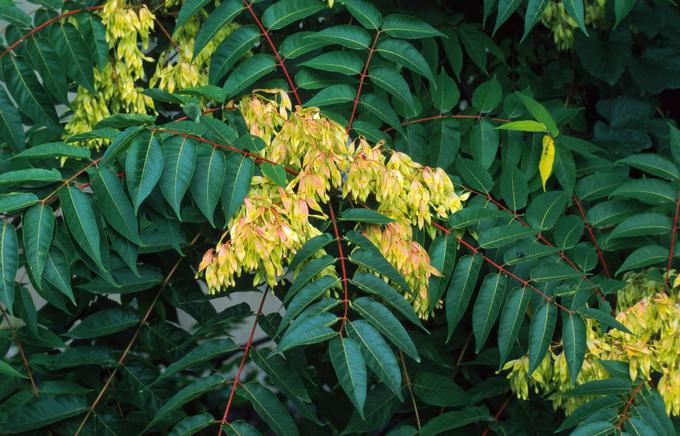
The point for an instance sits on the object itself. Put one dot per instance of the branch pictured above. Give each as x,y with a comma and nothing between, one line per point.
343,267
502,270
361,80
500,412
130,344
410,390
243,361
592,235
22,353
265,33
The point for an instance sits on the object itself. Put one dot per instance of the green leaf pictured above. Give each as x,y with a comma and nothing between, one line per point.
591,408
309,249
524,126
220,17
342,62
8,370
334,94
511,321
568,231
365,13
311,330
540,113
576,10
438,390
208,180
11,128
642,224
9,263
269,408
487,307
58,273
125,281
611,212
377,287
514,187
306,296
282,374
110,197
621,10
408,27
594,428
105,322
445,141
312,269
189,9
644,256
600,185
403,53
445,95
20,177
248,72
180,162
606,58
648,191
239,173
41,412
230,50
383,320
389,79
653,164
120,143
38,230
604,318
275,173
285,12
505,9
69,45
188,393
545,272
193,424
474,175
545,209
14,16
82,222
460,289
52,150
503,235
14,201
487,96
377,354
29,94
451,420
373,260
574,340
204,352
143,167
350,368
94,34
484,141
526,252
540,333
380,107
300,43
362,215
472,215
612,386
346,35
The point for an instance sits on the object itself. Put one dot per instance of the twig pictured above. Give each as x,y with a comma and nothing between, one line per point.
592,235
410,390
22,353
361,80
243,361
343,267
500,412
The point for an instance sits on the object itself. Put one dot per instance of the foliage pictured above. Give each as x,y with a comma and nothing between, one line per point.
468,198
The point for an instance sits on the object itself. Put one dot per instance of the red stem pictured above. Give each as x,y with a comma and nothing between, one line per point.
343,267
502,270
361,80
672,247
43,25
243,361
624,414
499,413
265,33
592,235
441,117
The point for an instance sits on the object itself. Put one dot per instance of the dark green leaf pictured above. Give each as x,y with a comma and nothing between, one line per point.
42,412
143,167
208,180
408,27
456,419
268,407
230,50
204,352
365,13
38,230
403,53
249,71
105,322
574,340
74,54
220,17
488,306
350,368
9,263
239,173
180,162
540,333
511,320
460,289
285,12
110,197
82,222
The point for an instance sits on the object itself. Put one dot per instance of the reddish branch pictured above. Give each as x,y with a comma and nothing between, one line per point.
243,361
22,353
361,80
343,267
672,247
500,412
265,33
592,235
43,25
502,270
624,414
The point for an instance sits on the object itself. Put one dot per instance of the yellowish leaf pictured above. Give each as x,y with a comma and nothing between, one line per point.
545,166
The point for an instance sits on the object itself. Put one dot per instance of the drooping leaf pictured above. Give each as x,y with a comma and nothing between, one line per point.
41,412
511,320
105,322
533,13
247,72
576,10
220,17
445,95
643,257
487,96
346,35
484,141
189,9
574,340
82,222
363,215
365,13
403,53
460,289
239,173
269,408
306,296
180,162
208,180
373,260
230,50
438,390
546,208
514,187
502,235
29,94
58,273
388,79
38,231
143,166
74,54
283,374
505,9
342,62
11,129
540,333
451,420
192,424
201,353
488,306
378,288
110,198
350,368
311,330
9,263
408,27
334,94
285,12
